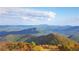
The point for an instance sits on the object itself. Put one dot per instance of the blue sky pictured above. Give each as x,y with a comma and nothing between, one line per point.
40,15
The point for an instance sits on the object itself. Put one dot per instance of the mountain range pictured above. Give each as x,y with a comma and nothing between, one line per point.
65,37
71,32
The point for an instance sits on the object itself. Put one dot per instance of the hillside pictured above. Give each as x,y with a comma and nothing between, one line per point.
50,42
56,39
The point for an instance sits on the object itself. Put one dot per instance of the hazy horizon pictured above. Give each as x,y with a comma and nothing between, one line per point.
39,25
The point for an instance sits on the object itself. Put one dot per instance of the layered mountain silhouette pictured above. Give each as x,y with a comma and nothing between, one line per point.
66,37
25,31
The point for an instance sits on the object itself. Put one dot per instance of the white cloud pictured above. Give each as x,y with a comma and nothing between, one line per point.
27,15
39,15
3,10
